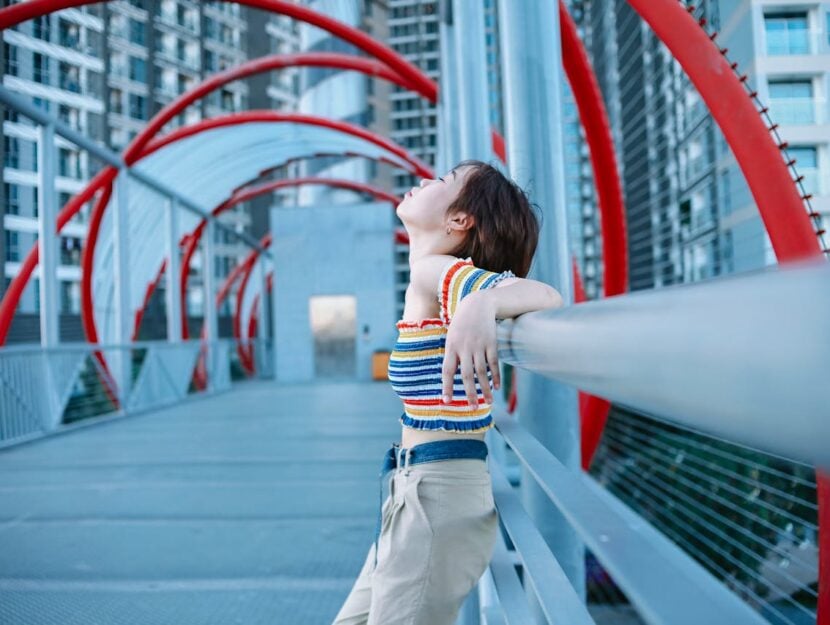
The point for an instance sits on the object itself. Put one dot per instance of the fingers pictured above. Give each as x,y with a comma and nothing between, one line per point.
467,372
448,374
473,366
493,362
483,380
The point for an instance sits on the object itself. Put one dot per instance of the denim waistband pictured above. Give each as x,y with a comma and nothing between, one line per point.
434,451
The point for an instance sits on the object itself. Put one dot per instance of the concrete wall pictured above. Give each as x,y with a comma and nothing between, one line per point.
344,249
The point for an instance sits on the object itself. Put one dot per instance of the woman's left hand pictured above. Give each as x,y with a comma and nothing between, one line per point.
471,341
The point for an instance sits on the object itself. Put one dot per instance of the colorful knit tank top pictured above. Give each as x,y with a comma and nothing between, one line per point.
416,361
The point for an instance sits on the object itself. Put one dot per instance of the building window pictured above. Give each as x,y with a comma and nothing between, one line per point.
792,101
70,251
69,77
806,164
138,106
12,246
70,297
40,64
137,32
69,164
69,116
116,101
11,152
10,54
786,33
41,27
227,100
118,64
138,69
12,194
68,34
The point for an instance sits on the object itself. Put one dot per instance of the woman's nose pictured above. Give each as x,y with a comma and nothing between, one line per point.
423,180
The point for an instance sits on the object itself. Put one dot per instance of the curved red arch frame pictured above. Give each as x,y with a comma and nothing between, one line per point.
247,359
204,125
593,411
595,139
427,88
789,245
253,318
11,298
780,205
17,13
584,96
773,190
246,352
245,194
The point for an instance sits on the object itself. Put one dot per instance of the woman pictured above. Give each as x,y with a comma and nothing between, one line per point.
438,526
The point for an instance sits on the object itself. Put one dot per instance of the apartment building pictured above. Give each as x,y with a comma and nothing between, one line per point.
690,214
106,69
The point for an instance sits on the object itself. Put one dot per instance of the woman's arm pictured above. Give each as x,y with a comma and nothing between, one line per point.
515,296
528,296
471,338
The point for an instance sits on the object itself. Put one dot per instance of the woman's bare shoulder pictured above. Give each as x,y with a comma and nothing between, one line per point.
425,273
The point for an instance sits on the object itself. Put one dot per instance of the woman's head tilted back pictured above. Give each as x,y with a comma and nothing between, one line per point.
476,211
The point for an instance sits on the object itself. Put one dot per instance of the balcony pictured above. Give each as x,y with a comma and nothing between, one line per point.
797,111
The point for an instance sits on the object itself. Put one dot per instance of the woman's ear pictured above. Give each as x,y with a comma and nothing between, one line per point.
462,220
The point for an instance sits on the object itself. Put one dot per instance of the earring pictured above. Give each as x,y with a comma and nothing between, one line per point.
448,230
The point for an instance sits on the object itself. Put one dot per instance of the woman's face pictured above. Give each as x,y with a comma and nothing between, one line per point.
425,206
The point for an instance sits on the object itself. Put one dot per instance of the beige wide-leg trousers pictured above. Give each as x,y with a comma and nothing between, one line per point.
438,530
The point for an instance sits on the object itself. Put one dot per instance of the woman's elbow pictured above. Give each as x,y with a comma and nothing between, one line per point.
557,301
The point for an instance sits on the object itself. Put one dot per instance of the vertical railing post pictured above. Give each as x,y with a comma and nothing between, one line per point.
173,302
123,316
449,137
531,64
262,327
471,80
47,239
208,278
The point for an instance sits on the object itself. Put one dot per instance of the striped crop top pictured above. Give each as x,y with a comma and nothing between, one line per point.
416,361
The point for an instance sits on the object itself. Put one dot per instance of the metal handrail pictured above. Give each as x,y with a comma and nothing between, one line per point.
730,357
655,574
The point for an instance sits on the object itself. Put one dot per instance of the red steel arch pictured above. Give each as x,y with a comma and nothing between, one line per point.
133,151
773,189
228,120
13,15
245,194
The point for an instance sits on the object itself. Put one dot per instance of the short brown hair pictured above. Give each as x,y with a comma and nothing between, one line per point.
506,230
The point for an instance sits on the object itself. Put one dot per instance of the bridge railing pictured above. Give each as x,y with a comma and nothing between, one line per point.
43,390
739,359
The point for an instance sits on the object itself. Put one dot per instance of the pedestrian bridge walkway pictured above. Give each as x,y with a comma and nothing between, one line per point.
254,506
233,500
